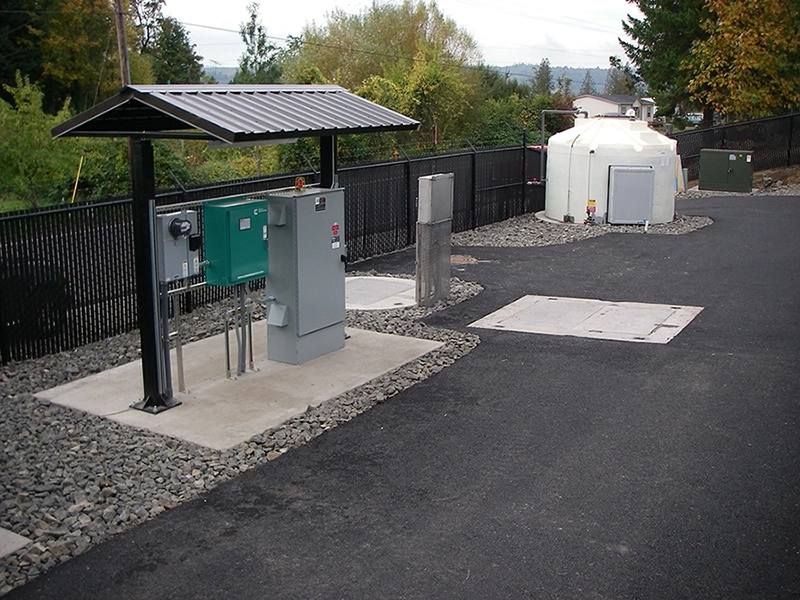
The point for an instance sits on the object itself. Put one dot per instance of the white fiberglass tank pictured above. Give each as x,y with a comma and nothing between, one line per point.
615,170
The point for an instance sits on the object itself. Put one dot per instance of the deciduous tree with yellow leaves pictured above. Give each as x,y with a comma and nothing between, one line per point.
749,65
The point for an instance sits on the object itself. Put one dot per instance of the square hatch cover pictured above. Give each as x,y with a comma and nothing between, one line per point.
583,317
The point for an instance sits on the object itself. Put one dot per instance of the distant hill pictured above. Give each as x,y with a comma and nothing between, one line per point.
520,72
523,73
220,74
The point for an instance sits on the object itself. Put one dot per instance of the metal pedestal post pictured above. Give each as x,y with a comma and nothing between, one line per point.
242,319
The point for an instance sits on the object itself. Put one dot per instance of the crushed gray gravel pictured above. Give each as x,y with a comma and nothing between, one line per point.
70,480
527,230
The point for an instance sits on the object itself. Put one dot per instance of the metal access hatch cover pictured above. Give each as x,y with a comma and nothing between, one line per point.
583,317
379,293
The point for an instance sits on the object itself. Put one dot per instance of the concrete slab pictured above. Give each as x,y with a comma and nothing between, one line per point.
220,413
378,293
10,542
583,317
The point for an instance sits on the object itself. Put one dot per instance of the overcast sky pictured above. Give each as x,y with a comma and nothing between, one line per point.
573,33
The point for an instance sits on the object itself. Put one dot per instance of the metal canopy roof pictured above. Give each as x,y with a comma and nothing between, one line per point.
233,113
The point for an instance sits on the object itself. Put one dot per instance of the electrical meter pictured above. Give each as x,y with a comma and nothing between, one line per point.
236,245
177,241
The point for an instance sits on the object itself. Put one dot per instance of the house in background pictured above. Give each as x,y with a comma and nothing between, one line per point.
597,105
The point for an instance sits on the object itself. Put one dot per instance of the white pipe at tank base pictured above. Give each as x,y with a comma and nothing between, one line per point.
569,172
589,183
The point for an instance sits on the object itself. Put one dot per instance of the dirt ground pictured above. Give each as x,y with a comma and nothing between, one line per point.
779,176
784,175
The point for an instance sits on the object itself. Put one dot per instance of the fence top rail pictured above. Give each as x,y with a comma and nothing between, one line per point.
741,124
62,209
407,159
160,195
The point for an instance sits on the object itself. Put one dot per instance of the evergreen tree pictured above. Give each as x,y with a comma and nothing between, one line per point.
173,55
661,40
621,80
588,86
564,86
543,81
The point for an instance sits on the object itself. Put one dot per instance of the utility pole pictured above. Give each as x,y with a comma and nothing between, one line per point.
122,44
152,317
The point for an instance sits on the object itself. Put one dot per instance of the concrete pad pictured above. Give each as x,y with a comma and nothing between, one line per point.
583,317
378,293
220,413
10,542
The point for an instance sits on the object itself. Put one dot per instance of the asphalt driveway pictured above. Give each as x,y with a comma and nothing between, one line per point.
536,466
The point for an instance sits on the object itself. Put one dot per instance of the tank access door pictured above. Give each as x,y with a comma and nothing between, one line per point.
630,194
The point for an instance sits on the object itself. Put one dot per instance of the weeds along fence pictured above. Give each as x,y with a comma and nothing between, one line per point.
67,273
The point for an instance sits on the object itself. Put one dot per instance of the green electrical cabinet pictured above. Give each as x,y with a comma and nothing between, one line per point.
235,240
726,170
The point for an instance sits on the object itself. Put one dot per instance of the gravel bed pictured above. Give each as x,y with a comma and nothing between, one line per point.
527,230
70,480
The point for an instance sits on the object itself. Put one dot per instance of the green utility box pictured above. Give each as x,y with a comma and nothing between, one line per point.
235,238
726,170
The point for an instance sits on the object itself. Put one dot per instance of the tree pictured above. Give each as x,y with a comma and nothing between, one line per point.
564,86
748,66
661,40
621,80
496,85
588,86
436,94
19,42
33,167
543,80
173,57
147,17
78,52
408,57
259,62
382,40
67,49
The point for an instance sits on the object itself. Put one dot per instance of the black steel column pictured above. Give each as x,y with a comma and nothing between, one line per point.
327,157
412,192
156,396
524,171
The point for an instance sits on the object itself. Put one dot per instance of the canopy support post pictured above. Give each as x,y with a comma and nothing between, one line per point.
327,156
155,354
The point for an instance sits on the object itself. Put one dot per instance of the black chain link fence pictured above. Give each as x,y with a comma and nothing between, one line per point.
67,273
775,142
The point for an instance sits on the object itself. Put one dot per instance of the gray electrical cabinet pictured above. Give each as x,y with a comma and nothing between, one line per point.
306,274
630,194
176,255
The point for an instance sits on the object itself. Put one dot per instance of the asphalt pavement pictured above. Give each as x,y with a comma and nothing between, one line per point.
537,466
